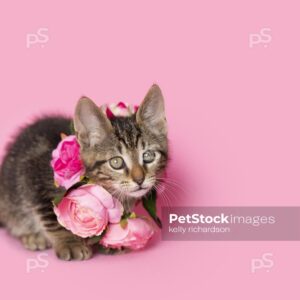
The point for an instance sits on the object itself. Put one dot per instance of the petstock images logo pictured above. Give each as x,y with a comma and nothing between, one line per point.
231,223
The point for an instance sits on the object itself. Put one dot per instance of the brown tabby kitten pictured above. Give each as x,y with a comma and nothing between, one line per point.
125,155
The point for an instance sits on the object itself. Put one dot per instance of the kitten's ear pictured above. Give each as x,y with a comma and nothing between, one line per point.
151,113
90,123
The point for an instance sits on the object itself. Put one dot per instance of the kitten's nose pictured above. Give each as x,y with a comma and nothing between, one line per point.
139,180
137,175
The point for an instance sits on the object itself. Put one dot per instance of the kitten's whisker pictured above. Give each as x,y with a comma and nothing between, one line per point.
164,202
172,190
169,180
163,195
166,196
172,184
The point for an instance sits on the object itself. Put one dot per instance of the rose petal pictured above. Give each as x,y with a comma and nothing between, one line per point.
115,213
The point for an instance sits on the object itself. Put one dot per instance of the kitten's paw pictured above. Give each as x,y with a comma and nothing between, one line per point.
73,251
36,241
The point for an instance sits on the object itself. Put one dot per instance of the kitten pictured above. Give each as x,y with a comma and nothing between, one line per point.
125,155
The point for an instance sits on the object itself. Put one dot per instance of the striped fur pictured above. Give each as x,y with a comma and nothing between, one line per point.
26,178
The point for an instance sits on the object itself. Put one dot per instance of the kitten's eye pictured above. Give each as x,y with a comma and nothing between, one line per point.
148,156
117,163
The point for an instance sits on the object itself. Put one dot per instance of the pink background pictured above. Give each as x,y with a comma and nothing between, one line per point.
233,114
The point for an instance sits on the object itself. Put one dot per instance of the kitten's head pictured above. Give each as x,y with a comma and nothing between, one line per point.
125,155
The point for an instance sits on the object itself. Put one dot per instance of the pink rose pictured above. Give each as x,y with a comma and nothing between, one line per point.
66,162
134,236
120,109
87,210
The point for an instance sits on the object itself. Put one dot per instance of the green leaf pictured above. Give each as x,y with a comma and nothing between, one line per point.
94,240
58,198
149,203
123,223
132,215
